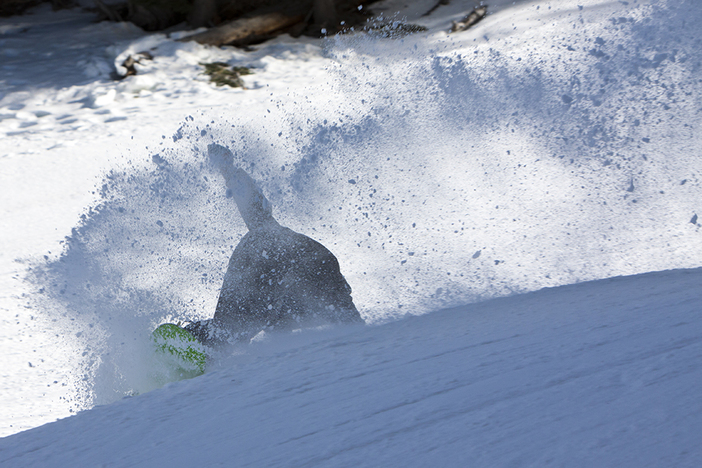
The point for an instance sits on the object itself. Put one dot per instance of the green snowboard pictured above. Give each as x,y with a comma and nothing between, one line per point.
182,355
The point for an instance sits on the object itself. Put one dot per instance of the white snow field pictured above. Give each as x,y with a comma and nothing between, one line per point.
455,176
604,373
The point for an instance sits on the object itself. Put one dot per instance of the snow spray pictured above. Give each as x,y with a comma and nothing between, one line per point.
438,173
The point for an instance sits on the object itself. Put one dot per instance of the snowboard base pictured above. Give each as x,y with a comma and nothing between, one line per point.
182,355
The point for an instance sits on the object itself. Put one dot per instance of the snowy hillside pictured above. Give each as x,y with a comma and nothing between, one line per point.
595,374
554,145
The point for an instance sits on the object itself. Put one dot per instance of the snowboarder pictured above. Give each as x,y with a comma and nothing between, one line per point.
276,278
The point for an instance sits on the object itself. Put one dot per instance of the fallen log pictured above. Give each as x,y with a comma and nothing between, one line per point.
245,30
469,20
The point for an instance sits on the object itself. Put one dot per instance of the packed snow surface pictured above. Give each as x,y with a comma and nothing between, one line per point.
553,145
595,374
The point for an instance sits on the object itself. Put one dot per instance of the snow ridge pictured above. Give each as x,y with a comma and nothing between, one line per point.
554,143
591,374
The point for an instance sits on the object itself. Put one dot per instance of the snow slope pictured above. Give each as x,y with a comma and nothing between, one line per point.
603,373
555,143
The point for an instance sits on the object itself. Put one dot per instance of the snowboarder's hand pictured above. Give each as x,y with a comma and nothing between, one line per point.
222,159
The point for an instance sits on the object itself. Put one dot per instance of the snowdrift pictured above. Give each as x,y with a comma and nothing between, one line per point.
603,373
554,143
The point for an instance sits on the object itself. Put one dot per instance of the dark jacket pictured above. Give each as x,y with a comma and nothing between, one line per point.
276,279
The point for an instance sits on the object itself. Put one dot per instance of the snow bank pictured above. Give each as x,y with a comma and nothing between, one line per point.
595,374
554,143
